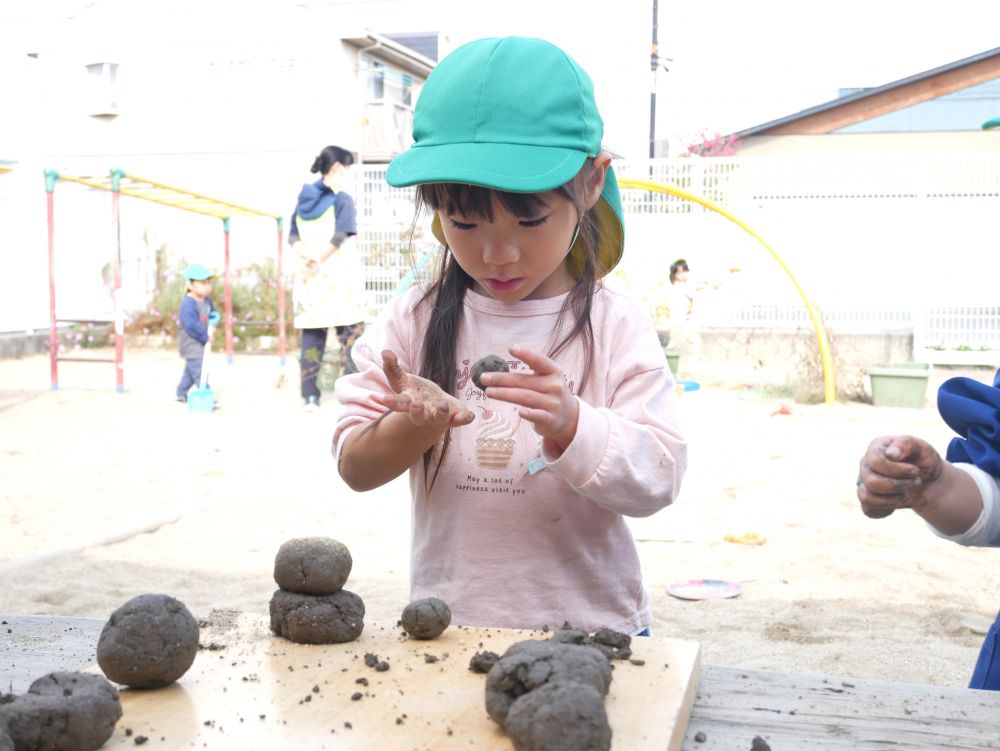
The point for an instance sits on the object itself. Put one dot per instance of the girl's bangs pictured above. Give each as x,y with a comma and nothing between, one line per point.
475,202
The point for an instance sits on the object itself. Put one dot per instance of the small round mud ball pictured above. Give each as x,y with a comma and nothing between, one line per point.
427,618
63,711
317,619
148,642
312,565
559,717
488,364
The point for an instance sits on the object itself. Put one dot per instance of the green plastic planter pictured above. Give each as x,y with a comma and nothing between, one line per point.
673,359
902,385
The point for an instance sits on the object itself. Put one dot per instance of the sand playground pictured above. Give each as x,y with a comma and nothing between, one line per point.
105,496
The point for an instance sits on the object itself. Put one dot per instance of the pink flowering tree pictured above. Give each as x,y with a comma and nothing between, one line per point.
718,145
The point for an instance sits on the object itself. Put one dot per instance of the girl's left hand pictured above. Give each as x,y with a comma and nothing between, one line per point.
544,398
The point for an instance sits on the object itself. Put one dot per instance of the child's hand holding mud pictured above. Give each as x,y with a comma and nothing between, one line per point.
897,472
542,395
421,399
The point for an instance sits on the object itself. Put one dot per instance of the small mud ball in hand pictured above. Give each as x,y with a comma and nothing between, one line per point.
148,642
312,565
488,364
427,618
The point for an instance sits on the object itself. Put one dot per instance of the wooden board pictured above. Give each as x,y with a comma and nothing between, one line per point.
829,713
261,691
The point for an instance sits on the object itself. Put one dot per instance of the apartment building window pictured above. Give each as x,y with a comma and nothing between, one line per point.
407,90
376,79
103,84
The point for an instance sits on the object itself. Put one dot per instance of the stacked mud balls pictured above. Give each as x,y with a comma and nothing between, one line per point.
312,606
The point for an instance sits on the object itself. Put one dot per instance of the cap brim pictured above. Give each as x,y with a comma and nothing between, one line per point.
512,167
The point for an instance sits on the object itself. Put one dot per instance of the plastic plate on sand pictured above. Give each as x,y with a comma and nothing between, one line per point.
704,589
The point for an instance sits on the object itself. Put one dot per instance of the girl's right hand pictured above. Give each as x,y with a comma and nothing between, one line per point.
421,399
897,472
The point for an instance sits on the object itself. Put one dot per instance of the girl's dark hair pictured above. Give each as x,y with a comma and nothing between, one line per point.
679,265
330,156
447,292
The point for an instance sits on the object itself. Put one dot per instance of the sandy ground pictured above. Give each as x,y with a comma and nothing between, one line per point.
105,496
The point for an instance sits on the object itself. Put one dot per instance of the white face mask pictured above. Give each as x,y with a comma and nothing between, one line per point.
339,178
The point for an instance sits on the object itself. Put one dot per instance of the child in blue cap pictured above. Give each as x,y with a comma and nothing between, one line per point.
521,480
959,496
196,314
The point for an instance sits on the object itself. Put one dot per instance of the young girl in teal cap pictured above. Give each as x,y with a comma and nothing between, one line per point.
520,488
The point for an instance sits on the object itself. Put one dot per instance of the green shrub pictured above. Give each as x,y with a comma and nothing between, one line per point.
254,296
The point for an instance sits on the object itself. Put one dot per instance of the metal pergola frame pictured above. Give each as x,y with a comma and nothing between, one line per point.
118,183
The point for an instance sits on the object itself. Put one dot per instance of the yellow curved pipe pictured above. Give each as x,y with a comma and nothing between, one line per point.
829,385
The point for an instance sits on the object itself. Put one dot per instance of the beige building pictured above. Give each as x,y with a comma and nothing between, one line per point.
228,99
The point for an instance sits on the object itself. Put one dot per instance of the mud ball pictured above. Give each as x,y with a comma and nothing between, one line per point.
312,565
559,717
426,619
488,364
65,711
148,642
317,619
528,665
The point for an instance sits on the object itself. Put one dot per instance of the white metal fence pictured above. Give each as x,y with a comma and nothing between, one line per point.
902,242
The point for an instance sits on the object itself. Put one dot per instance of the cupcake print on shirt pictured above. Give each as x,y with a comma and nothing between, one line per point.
495,441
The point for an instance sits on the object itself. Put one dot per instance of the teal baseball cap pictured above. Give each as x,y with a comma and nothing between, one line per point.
515,114
197,272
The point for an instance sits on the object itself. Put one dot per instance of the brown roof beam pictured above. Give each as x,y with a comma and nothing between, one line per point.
890,100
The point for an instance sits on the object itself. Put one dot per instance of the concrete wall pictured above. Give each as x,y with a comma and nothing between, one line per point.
788,362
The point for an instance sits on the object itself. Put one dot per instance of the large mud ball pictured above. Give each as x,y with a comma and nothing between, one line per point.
559,717
528,665
66,711
149,642
426,619
312,565
317,619
488,364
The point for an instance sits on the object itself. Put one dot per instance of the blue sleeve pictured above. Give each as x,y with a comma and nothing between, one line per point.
347,220
191,321
293,233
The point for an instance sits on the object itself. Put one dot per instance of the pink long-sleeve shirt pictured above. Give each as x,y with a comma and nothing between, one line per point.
507,536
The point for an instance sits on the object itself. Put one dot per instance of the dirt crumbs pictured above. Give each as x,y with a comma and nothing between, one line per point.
481,662
426,619
64,711
569,714
612,644
148,642
488,364
312,565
